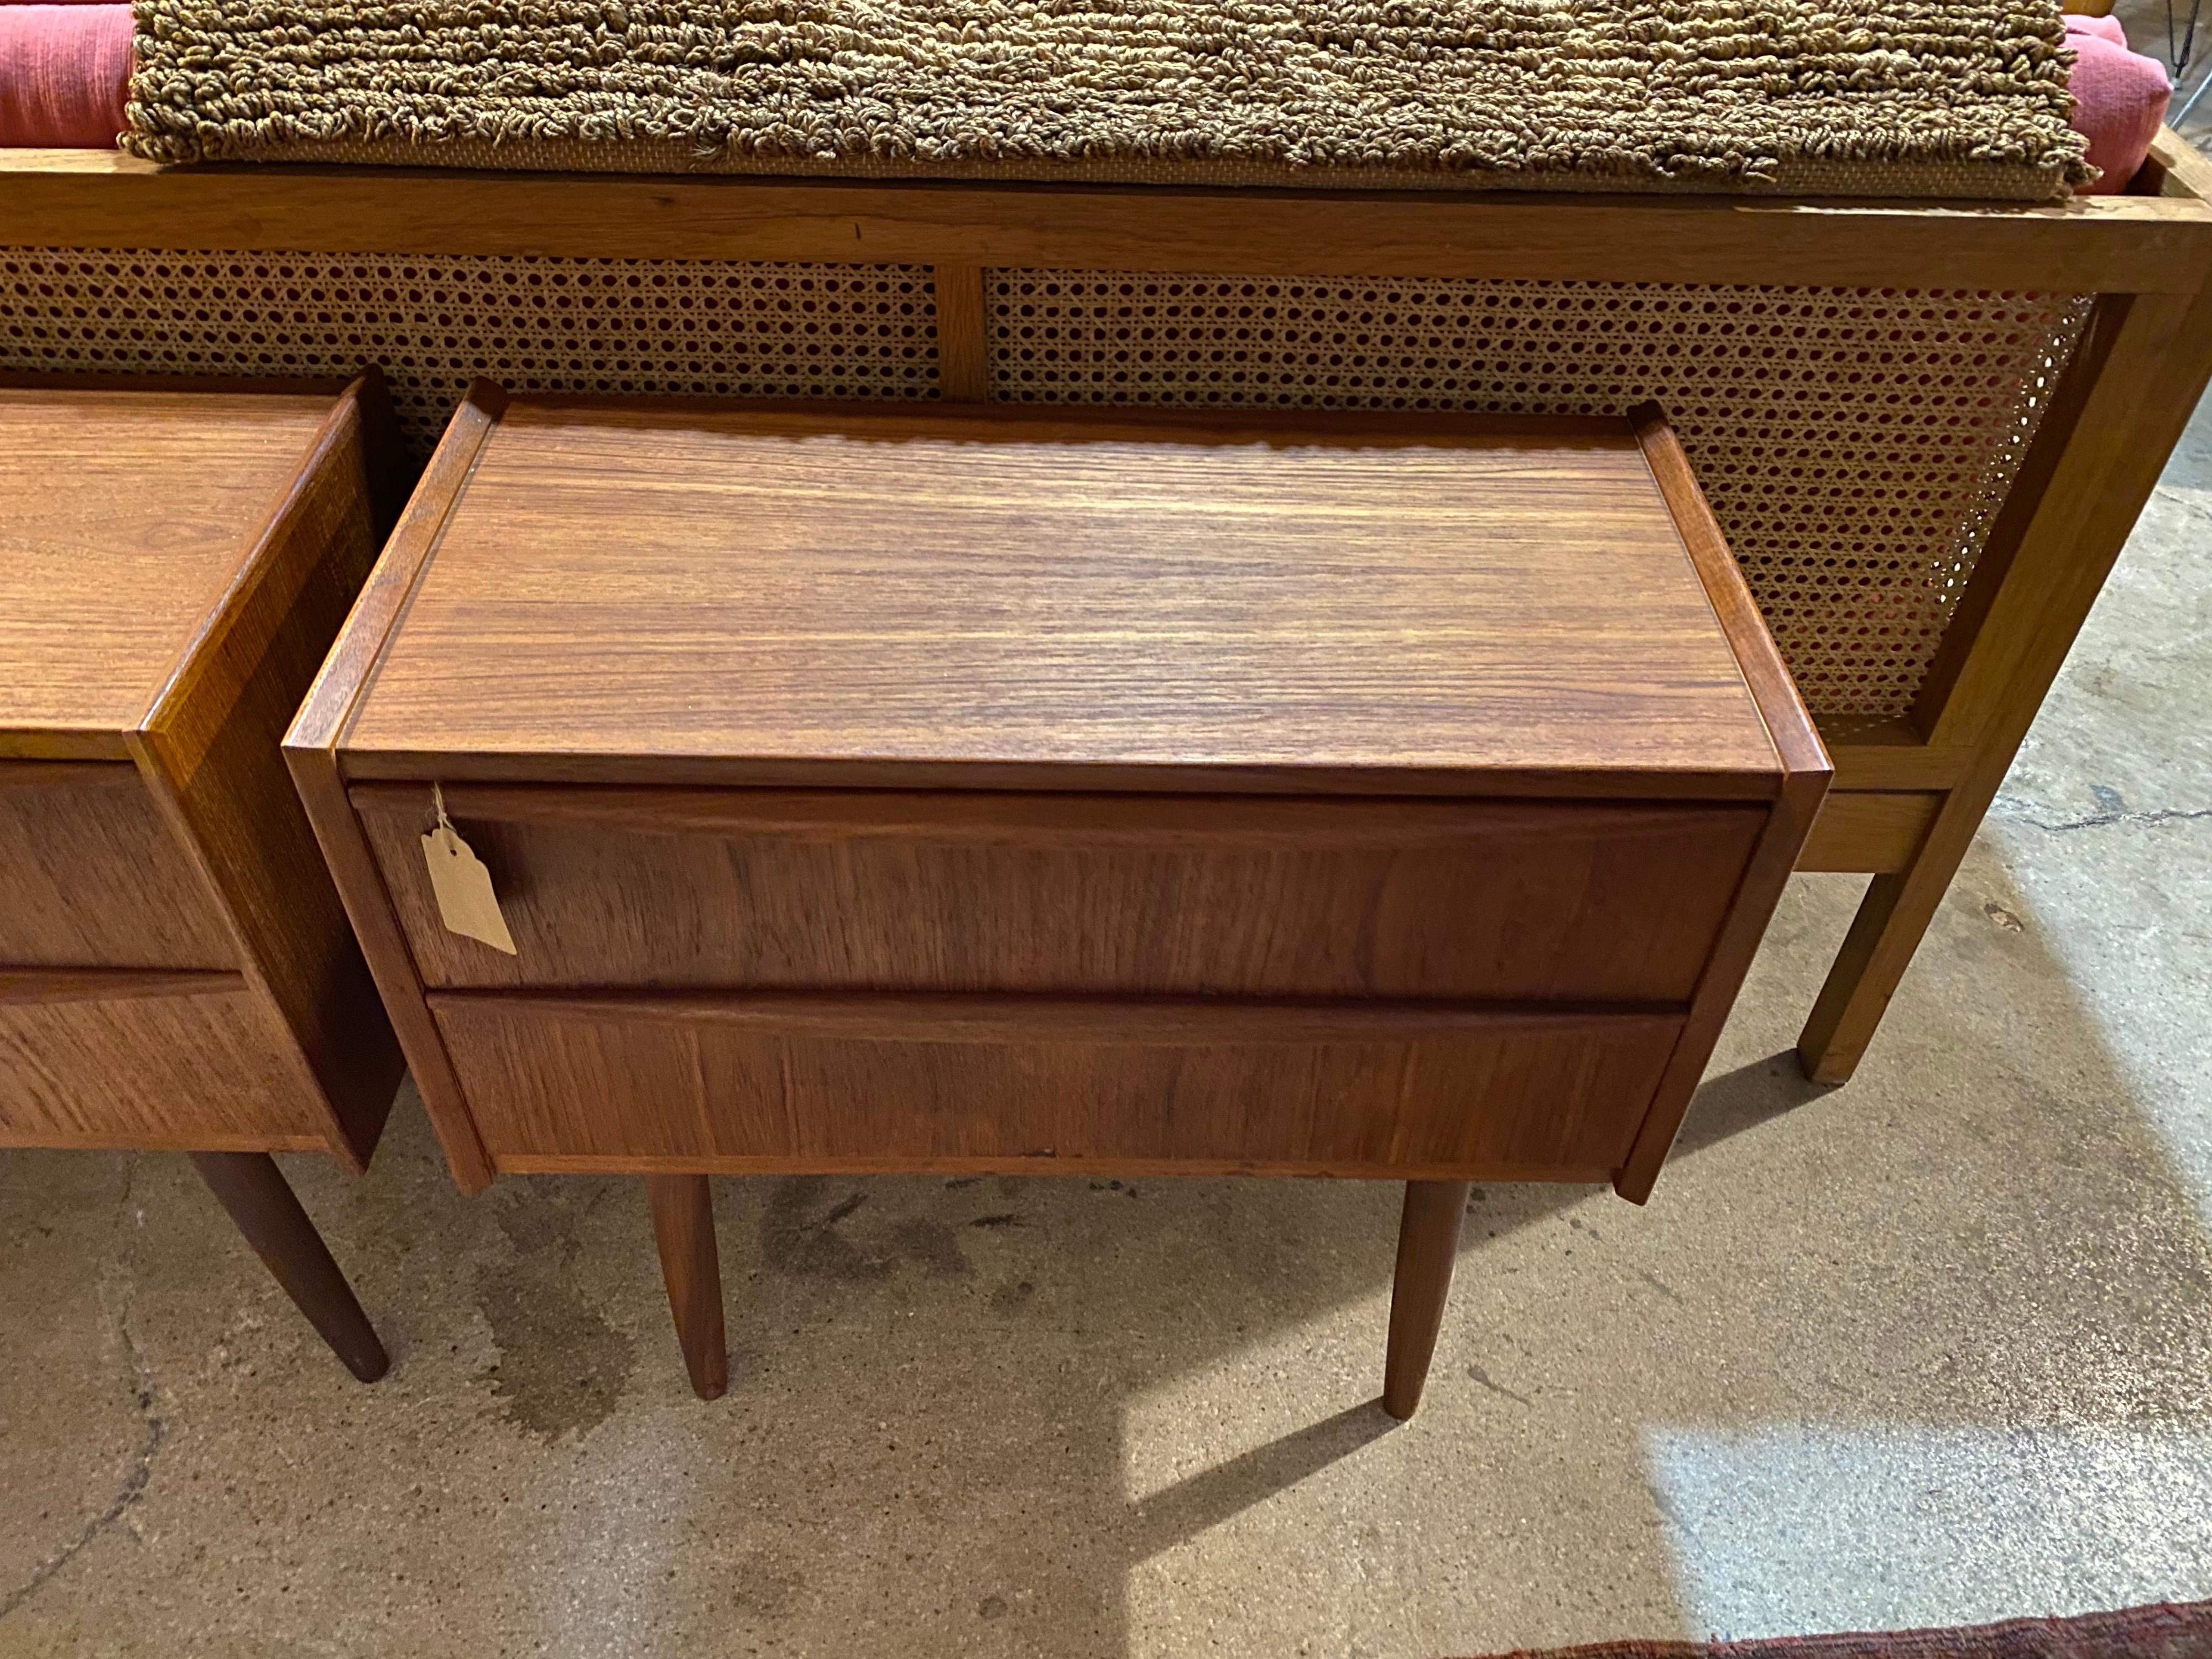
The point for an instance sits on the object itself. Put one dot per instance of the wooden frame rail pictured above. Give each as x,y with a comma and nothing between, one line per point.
1909,792
84,198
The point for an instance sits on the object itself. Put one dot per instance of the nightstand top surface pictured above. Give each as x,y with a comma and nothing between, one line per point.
123,517
837,595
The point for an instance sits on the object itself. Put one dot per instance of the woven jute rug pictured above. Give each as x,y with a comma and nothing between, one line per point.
2161,1630
1928,98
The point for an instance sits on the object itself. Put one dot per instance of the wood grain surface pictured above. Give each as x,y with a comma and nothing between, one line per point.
94,198
311,755
1428,1250
2174,169
1806,776
1359,1088
682,1207
844,590
253,1192
91,877
127,514
169,1070
963,333
210,748
1037,975
1074,893
175,967
28,985
1872,831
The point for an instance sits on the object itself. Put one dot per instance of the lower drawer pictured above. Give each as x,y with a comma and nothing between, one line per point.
806,1082
179,1061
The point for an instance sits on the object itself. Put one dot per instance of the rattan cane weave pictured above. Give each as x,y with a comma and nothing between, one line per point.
434,322
1855,445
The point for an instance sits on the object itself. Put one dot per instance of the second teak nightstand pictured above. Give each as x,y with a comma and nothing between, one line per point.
176,971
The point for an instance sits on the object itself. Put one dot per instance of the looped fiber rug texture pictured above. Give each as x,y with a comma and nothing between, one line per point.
2163,1630
1927,98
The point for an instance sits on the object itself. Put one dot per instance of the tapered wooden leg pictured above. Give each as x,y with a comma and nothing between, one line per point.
2127,391
1891,920
1428,1245
683,1227
1865,975
253,1189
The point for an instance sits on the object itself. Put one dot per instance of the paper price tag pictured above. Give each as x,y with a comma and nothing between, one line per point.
466,903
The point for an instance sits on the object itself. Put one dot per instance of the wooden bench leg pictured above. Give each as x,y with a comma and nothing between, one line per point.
1428,1246
1864,977
1890,920
683,1228
2126,392
253,1189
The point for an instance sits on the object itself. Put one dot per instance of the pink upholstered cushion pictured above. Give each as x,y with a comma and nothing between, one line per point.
64,72
2119,98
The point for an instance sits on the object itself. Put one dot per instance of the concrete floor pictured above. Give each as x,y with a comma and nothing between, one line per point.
1936,1346
2162,32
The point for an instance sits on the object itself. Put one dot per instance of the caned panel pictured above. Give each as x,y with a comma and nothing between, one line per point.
1855,445
435,322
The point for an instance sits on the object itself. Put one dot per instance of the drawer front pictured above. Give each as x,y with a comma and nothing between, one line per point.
1075,894
192,1064
800,1082
91,877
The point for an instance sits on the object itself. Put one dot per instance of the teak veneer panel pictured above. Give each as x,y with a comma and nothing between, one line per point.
174,1068
173,564
1805,775
44,985
127,514
1074,893
1361,626
212,749
91,876
1394,798
815,1083
816,594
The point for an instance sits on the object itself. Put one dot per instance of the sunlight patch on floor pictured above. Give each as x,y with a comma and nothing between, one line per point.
1796,1527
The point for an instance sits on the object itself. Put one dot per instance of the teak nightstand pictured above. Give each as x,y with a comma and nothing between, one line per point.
176,972
982,790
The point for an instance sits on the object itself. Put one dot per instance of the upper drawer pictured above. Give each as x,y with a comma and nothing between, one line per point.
1075,893
91,877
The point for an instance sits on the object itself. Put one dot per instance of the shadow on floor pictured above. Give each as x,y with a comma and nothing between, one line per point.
1074,1417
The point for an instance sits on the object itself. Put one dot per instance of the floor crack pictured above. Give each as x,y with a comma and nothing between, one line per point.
1483,1377
141,1471
2106,820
